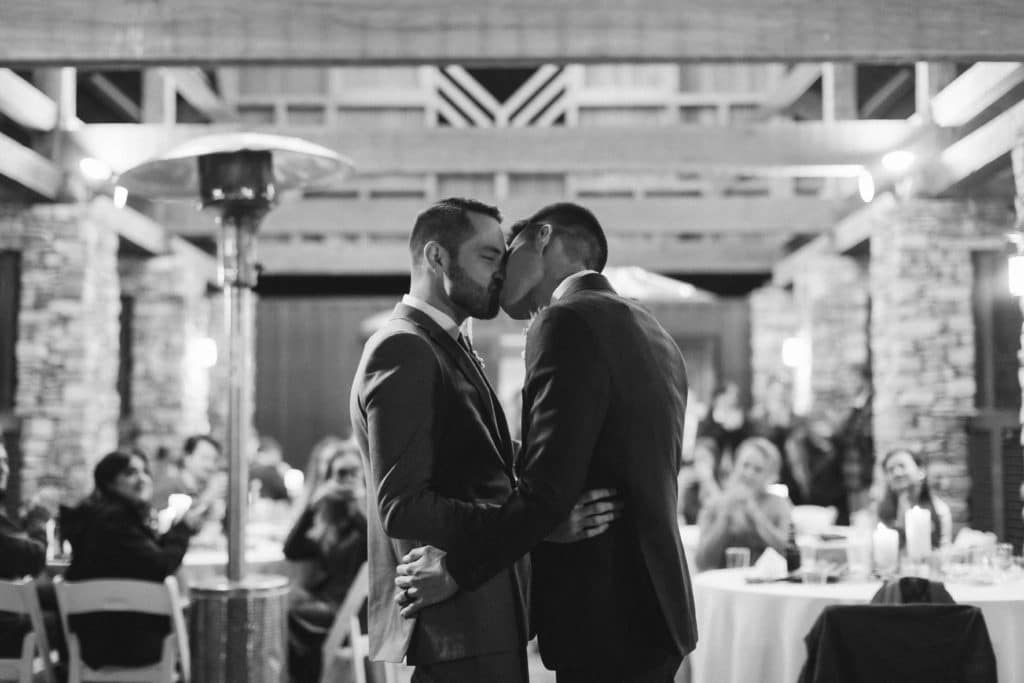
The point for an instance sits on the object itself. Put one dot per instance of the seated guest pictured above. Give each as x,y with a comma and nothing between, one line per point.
813,468
316,467
22,553
906,486
112,538
725,425
697,483
331,533
267,471
200,467
745,514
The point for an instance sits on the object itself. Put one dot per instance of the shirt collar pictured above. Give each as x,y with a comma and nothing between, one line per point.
445,321
564,284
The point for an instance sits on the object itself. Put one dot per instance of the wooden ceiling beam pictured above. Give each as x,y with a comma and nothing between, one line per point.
809,148
25,104
29,168
193,85
394,218
125,32
391,257
151,237
974,91
797,81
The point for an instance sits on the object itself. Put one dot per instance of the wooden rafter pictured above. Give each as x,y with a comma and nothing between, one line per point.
25,104
193,85
651,217
796,82
811,148
391,257
467,31
29,168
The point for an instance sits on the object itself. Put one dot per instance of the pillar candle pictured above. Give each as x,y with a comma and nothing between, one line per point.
918,523
886,544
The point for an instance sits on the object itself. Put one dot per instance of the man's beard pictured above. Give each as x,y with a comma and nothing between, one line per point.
477,301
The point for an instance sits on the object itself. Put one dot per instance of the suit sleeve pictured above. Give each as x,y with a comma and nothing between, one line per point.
566,399
400,398
23,555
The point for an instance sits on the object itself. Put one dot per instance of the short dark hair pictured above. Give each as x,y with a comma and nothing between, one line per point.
447,223
192,442
579,229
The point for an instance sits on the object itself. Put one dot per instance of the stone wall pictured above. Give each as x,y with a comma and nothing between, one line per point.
773,319
67,350
922,332
831,294
170,383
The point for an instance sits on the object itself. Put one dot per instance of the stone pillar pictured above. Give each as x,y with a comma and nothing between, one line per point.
67,351
922,330
773,319
1018,174
170,380
831,294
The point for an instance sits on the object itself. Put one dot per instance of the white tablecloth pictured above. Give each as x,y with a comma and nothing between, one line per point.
755,632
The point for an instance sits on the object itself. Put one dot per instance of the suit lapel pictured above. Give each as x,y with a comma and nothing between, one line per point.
488,399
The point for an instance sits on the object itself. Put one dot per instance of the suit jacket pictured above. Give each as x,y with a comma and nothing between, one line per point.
899,643
437,451
21,553
603,406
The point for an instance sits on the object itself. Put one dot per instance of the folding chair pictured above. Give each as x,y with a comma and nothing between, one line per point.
126,595
357,652
20,598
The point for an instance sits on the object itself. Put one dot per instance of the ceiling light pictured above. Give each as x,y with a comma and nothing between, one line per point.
95,170
898,161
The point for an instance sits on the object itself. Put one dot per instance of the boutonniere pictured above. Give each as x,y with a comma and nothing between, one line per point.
479,359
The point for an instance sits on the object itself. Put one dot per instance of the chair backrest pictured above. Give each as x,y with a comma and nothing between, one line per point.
342,626
20,597
124,595
908,643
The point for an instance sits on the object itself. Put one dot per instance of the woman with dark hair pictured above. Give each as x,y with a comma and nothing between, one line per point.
725,426
331,535
112,537
906,486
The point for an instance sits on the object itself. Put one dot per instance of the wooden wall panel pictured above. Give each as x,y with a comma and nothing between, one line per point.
307,351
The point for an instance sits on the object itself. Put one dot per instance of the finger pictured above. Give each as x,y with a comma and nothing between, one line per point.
603,507
411,610
403,570
414,554
595,531
403,582
595,494
600,520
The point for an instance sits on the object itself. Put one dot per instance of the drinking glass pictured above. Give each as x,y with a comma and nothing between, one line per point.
737,558
1004,557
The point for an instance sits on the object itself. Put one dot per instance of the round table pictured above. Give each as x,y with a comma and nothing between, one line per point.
755,632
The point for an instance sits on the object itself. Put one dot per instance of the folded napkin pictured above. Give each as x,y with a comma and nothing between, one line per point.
771,565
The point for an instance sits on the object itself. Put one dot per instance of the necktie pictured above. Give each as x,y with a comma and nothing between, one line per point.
468,347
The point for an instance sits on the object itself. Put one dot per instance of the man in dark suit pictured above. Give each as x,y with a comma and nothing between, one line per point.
603,406
437,452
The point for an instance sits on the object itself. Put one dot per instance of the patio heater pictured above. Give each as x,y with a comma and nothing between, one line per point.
238,176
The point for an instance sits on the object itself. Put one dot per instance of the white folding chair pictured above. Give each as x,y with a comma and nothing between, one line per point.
357,652
126,595
19,597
